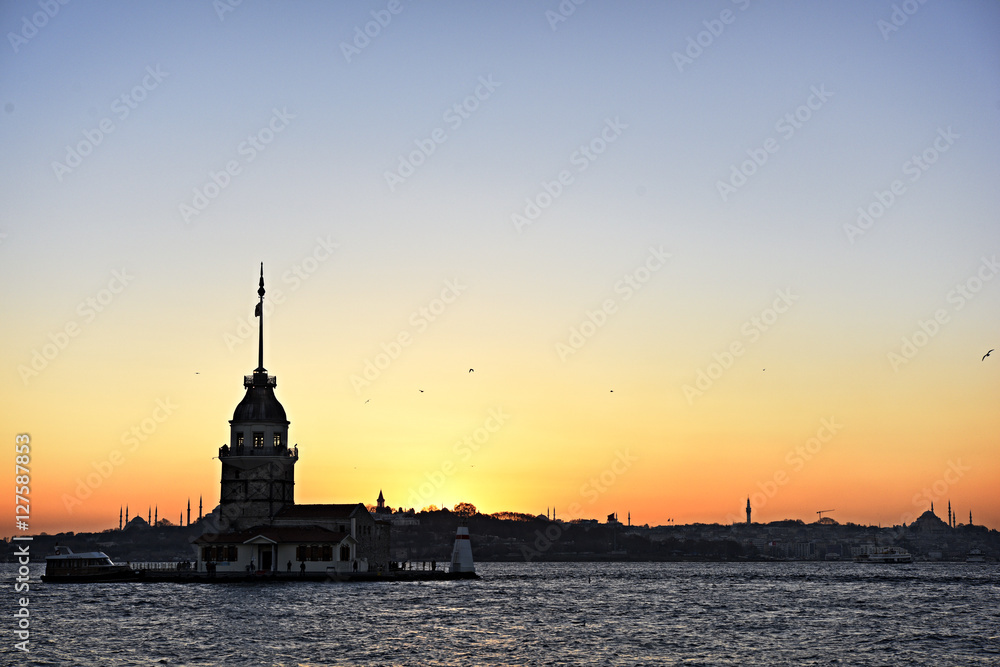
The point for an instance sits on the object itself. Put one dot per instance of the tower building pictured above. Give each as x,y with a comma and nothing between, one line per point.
257,526
258,468
748,510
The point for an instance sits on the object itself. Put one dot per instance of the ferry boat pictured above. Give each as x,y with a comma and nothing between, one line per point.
89,566
884,555
975,556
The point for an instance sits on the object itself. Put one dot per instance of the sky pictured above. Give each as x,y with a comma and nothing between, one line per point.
644,258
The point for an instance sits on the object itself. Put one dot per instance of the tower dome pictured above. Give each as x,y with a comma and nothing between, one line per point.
260,404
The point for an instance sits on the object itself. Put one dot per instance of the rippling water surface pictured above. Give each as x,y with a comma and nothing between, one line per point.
536,614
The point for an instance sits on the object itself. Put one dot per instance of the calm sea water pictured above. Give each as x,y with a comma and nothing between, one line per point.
535,614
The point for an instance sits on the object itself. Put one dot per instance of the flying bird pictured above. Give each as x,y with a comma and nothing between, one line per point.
368,400
471,370
421,391
986,355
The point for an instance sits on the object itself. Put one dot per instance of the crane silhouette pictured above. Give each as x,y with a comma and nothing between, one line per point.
821,512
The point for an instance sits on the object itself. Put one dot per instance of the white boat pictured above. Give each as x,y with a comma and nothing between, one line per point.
884,555
87,566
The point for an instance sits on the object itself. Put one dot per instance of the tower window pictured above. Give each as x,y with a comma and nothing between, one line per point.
277,440
239,440
258,439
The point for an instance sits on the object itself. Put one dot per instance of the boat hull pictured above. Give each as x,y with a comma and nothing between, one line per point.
124,574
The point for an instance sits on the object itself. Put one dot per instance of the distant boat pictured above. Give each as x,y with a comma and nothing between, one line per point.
975,556
89,566
888,555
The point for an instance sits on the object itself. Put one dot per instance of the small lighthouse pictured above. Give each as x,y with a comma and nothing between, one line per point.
461,554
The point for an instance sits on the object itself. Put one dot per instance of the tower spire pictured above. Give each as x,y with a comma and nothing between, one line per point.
259,312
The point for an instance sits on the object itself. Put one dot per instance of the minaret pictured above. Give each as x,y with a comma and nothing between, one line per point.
950,524
258,466
156,515
748,510
149,517
126,515
189,512
970,517
119,517
199,508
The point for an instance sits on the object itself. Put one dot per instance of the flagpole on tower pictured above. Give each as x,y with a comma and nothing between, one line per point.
259,312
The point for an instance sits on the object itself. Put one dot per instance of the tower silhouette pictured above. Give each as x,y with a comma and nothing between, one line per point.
258,467
748,510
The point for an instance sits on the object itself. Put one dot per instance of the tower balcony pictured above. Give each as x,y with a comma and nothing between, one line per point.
260,380
290,452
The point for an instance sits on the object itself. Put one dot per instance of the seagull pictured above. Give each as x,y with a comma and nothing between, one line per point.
368,400
471,370
986,355
421,391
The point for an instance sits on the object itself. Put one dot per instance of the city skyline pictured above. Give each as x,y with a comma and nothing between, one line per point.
647,258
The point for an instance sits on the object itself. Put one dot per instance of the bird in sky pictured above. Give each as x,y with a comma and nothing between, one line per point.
986,355
421,391
471,370
368,400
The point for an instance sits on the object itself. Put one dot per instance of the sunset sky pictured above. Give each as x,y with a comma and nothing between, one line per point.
694,252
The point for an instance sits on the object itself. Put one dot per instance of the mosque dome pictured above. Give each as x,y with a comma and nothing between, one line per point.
929,521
